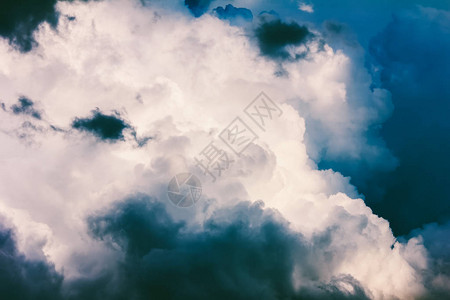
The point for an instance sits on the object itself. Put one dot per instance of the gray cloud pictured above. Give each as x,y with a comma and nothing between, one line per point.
233,14
274,35
243,252
198,7
25,106
105,127
21,278
19,20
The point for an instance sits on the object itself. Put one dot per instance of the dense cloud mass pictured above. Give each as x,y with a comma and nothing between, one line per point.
244,252
99,110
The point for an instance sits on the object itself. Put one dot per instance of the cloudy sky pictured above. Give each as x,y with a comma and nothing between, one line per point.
318,131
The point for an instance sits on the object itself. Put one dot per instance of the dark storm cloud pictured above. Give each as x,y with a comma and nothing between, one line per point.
244,252
24,279
275,35
20,18
105,127
413,53
198,7
230,13
25,106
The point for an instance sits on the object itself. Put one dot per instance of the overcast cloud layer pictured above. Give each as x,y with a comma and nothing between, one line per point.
103,102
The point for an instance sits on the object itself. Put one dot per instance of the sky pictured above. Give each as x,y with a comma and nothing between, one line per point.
315,135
